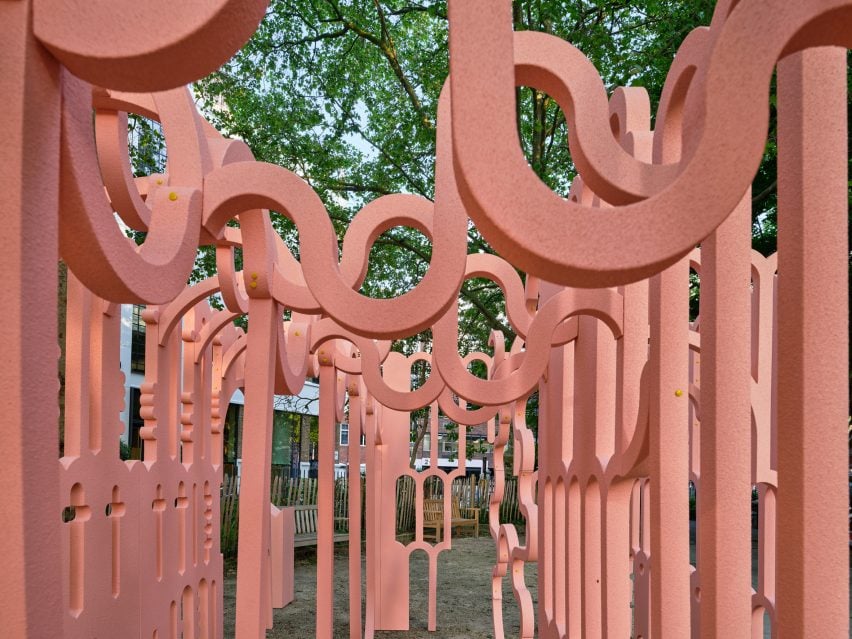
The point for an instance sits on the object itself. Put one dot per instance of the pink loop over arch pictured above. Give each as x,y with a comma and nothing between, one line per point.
605,304
558,239
243,186
110,264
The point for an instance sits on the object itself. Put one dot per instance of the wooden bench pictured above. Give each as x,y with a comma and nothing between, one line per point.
306,526
433,517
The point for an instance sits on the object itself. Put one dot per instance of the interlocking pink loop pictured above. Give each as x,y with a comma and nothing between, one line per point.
243,186
109,263
551,237
111,137
371,359
602,303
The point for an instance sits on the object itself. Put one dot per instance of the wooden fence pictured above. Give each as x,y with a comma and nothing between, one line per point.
472,492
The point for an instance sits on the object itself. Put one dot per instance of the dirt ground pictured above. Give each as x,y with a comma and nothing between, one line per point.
464,596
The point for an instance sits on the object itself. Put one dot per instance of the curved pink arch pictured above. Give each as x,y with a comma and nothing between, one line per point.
566,242
180,42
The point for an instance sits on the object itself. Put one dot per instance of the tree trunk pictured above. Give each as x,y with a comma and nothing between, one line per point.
419,434
305,439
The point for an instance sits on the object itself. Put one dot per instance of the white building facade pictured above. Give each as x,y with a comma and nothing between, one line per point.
295,417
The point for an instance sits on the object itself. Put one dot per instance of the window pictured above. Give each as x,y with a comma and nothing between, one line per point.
448,447
136,422
344,434
146,145
137,341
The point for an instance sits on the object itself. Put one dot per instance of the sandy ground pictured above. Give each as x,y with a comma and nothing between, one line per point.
464,596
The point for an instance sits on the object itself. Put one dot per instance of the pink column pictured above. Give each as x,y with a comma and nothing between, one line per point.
30,588
813,338
325,493
558,567
372,520
254,483
632,353
355,429
391,558
669,453
724,508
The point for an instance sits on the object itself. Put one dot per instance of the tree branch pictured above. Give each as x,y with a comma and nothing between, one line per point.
351,187
392,160
432,11
386,46
765,193
489,317
310,39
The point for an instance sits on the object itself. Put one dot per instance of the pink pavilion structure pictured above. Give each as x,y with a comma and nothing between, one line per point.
636,401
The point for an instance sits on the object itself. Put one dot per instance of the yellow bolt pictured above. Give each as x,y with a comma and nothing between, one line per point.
322,352
173,196
678,393
297,333
254,276
159,181
253,285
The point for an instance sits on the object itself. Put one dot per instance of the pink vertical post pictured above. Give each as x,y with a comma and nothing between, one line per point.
724,509
695,477
632,353
591,387
813,340
355,430
669,452
325,495
558,565
29,171
254,484
372,521
640,543
555,443
78,319
433,592
391,460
